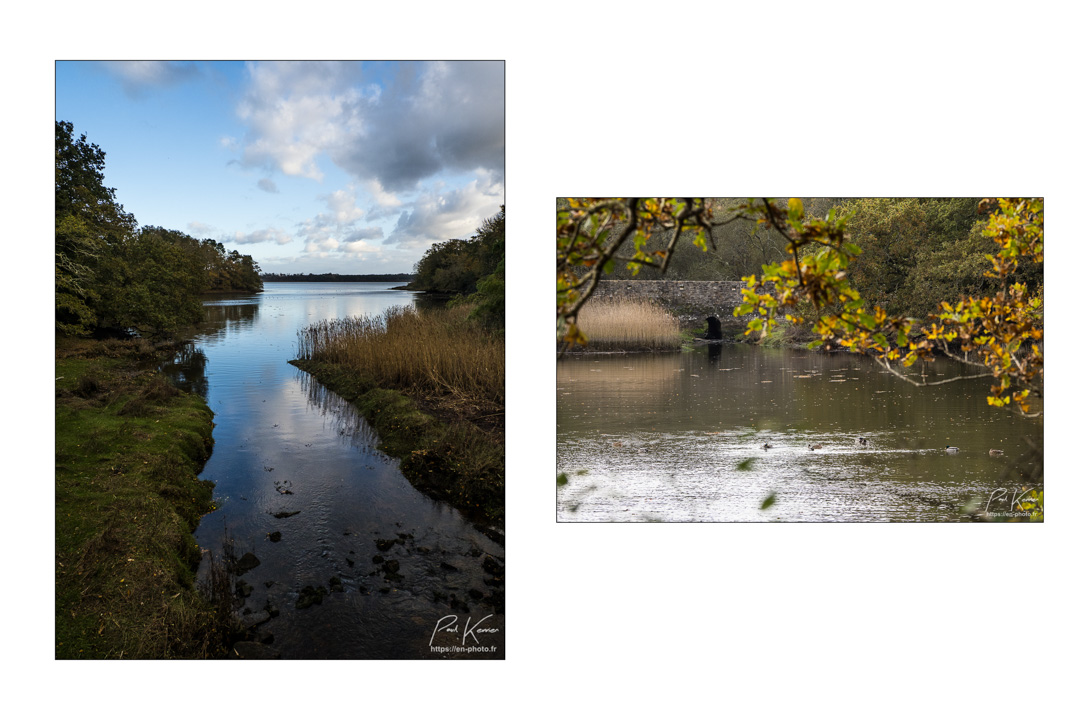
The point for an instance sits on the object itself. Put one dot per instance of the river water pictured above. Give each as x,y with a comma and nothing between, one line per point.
293,458
679,437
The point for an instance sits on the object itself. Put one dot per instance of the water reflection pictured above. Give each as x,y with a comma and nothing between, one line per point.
301,484
680,437
187,369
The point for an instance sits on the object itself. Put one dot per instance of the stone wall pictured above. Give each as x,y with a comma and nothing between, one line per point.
691,300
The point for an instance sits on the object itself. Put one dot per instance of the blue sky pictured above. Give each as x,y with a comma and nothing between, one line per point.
347,167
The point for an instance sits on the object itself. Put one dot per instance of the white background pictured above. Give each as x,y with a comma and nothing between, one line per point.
746,620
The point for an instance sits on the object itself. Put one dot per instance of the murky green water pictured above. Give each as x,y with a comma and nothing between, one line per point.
293,458
678,437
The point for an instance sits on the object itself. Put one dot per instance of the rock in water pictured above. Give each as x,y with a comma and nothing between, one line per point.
245,563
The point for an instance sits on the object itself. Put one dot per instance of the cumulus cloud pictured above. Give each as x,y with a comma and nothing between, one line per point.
339,229
260,236
440,215
268,185
137,76
199,229
427,119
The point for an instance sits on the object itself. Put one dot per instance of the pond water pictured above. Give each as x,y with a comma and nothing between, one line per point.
293,458
679,437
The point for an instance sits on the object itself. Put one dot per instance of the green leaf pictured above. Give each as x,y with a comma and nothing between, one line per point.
561,480
795,209
746,464
768,502
609,266
815,344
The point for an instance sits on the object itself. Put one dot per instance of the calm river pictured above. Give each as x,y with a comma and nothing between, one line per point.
678,437
301,484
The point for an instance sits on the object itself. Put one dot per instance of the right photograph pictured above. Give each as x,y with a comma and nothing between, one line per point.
799,359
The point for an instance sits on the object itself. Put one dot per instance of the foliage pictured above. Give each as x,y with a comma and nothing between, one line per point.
1032,503
109,275
915,250
456,266
89,222
489,300
1003,331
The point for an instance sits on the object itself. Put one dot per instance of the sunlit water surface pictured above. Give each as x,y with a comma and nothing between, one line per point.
285,444
679,437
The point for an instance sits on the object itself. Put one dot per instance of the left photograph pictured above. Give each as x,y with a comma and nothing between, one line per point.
280,360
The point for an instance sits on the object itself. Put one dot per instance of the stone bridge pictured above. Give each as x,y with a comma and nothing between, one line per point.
691,300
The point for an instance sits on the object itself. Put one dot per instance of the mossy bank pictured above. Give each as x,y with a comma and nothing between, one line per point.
442,453
129,446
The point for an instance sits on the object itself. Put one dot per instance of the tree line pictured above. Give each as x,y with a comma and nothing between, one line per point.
473,270
334,277
112,275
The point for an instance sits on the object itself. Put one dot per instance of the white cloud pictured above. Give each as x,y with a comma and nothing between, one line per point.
137,76
437,216
297,110
198,229
339,229
268,185
430,118
342,204
260,236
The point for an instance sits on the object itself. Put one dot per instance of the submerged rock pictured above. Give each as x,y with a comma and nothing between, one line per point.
247,562
310,596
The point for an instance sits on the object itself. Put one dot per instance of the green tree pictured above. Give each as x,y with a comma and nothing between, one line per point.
151,284
89,224
456,267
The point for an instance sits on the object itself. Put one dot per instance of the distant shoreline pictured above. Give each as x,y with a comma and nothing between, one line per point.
333,277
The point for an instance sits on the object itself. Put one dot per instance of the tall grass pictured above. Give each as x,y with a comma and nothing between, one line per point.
433,352
629,325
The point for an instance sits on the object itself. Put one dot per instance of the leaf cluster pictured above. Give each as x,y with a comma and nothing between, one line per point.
1001,333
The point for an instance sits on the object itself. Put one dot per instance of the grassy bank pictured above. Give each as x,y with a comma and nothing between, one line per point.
431,385
128,448
630,325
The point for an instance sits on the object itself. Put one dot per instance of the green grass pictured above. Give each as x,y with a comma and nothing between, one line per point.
431,385
629,325
128,448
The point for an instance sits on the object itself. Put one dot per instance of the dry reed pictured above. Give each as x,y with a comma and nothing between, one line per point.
629,325
434,352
